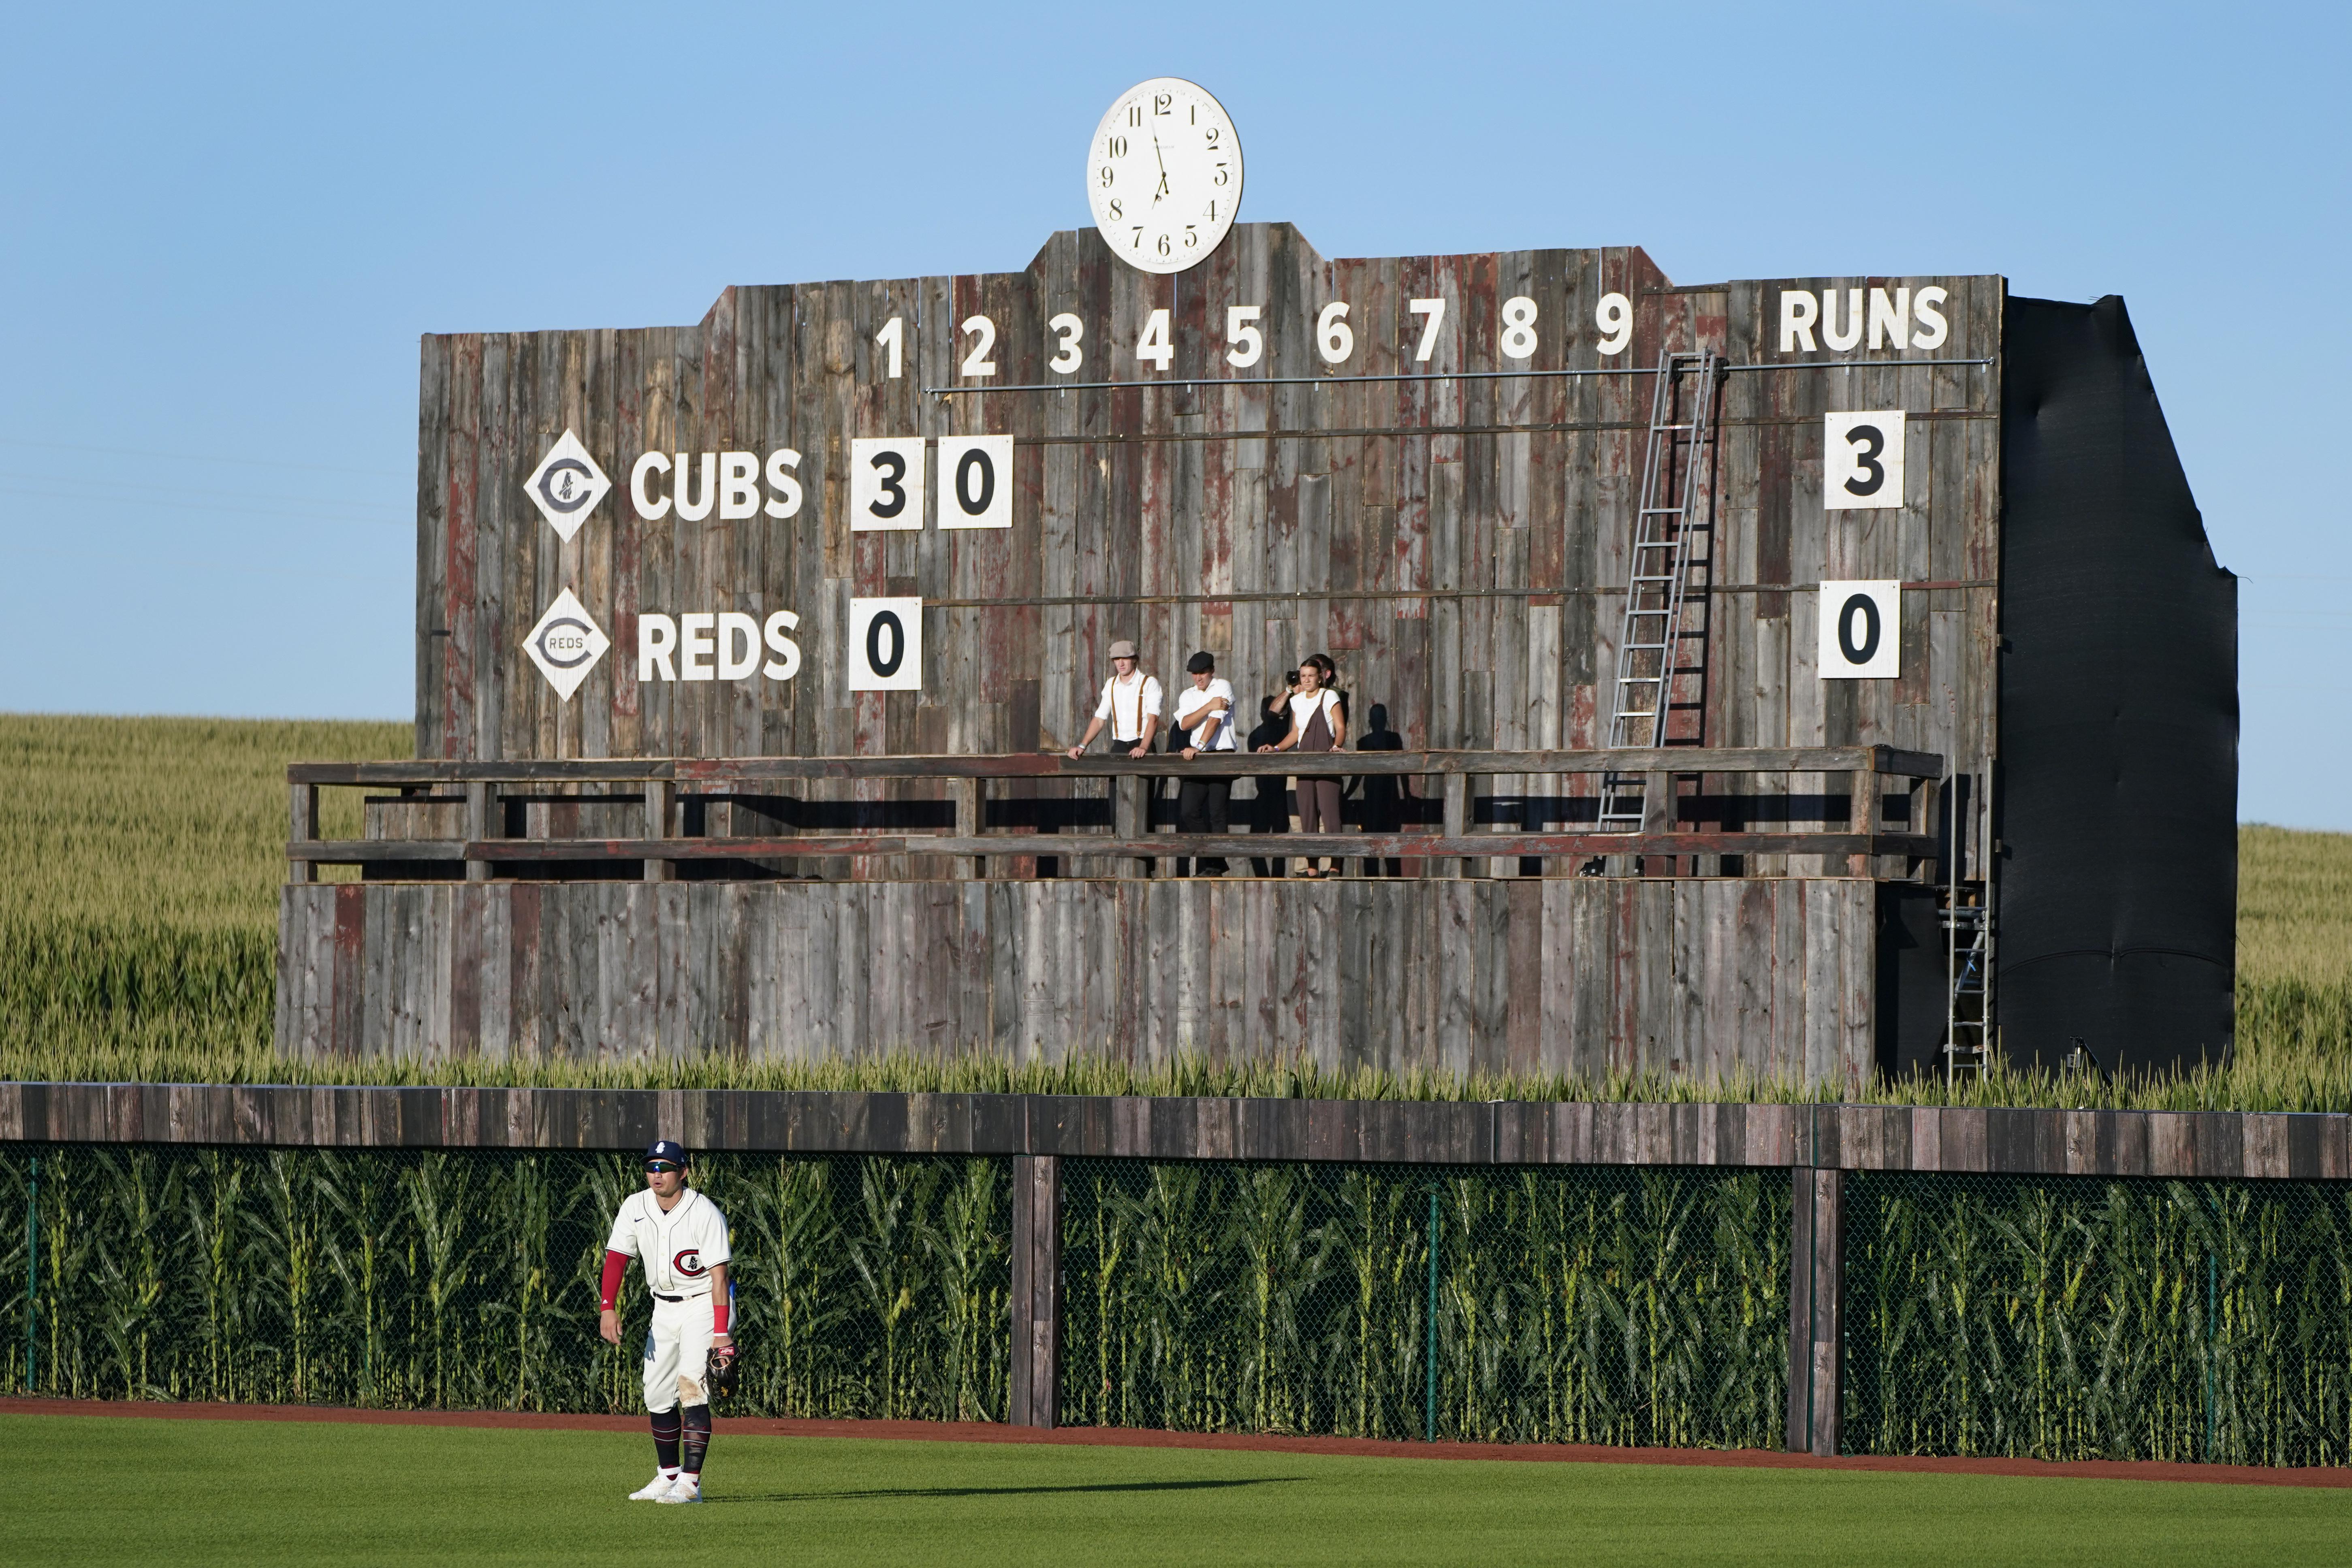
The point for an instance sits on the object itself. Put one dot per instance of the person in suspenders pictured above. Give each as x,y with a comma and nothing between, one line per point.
1130,705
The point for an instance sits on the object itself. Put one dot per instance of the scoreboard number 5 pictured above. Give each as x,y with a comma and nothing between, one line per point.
1862,631
1862,460
885,644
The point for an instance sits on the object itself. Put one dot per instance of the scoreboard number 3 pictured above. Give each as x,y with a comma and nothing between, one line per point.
885,644
1862,631
1862,460
886,483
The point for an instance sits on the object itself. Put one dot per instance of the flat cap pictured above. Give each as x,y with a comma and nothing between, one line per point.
1122,649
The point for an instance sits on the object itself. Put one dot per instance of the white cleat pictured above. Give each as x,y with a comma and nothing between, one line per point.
686,1488
655,1490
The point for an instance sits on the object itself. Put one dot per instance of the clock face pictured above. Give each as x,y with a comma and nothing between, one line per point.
1165,173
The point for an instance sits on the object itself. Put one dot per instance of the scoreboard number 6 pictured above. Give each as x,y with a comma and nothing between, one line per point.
885,644
1862,631
1862,460
975,481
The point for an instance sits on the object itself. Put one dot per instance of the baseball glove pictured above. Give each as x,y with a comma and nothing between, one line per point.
726,1371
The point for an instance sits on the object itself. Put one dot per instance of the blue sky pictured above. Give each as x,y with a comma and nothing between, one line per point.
224,234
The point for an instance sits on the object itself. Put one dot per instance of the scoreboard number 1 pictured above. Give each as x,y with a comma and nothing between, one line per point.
1862,631
1862,460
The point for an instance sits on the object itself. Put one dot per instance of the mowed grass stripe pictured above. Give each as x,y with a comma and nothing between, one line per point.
129,1491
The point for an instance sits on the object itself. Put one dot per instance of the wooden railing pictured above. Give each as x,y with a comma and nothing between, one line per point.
1867,844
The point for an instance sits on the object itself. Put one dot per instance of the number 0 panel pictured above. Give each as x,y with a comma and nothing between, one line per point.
975,481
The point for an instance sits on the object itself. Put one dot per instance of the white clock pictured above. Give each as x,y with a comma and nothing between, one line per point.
1165,173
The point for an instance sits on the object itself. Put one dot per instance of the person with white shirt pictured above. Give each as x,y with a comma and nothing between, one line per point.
1318,724
1205,721
680,1238
1130,705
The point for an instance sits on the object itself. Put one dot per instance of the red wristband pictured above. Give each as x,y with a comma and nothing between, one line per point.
718,1309
609,1291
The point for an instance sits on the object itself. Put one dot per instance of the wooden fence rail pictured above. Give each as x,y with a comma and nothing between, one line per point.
660,787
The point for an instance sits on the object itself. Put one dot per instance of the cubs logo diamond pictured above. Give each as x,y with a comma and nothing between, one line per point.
566,486
566,644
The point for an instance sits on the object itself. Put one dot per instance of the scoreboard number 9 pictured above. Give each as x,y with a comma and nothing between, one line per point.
1862,460
1862,631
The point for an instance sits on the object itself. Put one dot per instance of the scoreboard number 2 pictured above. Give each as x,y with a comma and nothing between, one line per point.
1862,460
1862,631
885,644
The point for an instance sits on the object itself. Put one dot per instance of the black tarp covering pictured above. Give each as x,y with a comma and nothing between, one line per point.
2117,789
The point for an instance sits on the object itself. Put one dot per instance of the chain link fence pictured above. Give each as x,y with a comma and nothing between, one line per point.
2069,1318
1552,1304
868,1286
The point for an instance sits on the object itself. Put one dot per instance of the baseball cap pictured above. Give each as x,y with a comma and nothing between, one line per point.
1200,664
1122,649
664,1149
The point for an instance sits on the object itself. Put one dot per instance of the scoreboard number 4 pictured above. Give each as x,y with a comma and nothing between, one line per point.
1862,460
1862,631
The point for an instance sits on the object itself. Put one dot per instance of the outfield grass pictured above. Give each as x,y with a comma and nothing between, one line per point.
130,1490
141,858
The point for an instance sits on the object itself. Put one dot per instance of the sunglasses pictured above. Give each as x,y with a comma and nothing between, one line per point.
656,1167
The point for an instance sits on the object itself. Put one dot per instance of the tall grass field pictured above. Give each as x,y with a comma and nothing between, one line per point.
139,862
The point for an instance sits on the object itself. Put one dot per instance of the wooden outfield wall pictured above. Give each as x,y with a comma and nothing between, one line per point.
1708,977
1817,1144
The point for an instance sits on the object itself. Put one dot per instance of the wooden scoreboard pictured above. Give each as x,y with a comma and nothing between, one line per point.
745,651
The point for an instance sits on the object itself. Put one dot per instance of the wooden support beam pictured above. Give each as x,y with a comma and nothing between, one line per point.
1130,819
1816,1309
1862,816
1457,824
301,827
478,825
967,794
1035,1379
660,796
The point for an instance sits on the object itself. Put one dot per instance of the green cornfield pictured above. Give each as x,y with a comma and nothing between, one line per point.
2067,1318
1575,1305
426,1279
139,862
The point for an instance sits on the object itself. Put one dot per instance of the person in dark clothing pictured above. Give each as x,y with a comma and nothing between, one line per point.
1317,727
1270,811
1384,793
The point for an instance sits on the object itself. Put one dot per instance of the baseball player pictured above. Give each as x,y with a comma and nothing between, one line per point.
681,1238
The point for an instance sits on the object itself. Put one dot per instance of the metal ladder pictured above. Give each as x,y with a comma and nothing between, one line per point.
1658,574
1968,948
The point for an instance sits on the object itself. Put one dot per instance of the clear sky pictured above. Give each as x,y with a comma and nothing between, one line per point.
222,231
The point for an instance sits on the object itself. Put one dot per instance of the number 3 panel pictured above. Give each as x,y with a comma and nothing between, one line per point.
886,483
1862,460
885,644
975,481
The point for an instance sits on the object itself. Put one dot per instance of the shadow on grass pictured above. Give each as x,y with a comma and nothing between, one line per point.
1006,1492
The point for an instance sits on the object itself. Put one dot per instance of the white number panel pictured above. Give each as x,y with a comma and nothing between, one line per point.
885,644
1862,460
975,481
1862,631
886,483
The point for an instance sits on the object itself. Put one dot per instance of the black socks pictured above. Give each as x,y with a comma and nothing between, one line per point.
697,1437
666,1436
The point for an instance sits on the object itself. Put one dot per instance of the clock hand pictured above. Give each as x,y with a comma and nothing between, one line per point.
1163,169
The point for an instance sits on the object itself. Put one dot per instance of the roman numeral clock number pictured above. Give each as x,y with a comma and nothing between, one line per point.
1164,176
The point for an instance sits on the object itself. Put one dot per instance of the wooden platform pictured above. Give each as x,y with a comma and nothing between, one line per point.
1579,974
